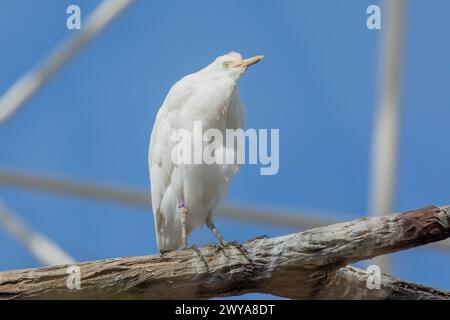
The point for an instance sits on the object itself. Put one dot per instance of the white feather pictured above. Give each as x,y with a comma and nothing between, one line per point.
211,96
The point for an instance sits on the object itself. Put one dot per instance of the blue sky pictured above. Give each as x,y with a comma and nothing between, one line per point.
318,84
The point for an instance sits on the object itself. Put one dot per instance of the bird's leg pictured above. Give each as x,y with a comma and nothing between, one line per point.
183,215
214,230
222,242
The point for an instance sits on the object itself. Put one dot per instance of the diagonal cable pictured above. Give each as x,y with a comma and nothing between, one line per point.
142,199
262,215
386,130
32,81
39,246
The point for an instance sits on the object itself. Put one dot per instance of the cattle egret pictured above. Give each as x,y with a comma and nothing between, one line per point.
184,196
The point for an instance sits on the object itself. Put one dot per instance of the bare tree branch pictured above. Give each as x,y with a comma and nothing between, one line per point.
351,283
308,265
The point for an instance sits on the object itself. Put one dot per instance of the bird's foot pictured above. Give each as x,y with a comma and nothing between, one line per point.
162,253
199,253
242,249
222,245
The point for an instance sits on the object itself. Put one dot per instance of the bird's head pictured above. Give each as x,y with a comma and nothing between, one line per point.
232,64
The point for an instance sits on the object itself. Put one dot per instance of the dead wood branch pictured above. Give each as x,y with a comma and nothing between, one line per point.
307,265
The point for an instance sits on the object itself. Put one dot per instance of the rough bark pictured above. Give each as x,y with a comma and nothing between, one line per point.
351,283
307,265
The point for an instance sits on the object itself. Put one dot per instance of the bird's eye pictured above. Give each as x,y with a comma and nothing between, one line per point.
226,64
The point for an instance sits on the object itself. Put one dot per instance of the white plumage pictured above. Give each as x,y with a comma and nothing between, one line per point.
185,196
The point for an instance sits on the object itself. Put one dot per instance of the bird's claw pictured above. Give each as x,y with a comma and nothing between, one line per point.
221,247
242,249
162,254
199,253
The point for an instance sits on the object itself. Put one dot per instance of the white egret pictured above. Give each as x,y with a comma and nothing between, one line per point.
184,196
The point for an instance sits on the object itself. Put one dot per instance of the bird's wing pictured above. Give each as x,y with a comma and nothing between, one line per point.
235,120
160,162
236,116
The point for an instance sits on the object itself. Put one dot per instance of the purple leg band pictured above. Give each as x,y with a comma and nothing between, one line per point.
181,204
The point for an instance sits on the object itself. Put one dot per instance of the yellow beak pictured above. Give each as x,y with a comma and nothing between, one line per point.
246,62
